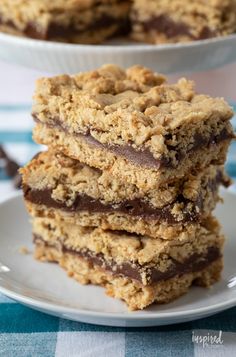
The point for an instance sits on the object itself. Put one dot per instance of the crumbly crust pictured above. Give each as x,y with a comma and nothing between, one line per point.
46,19
122,247
132,107
136,295
67,177
145,178
179,21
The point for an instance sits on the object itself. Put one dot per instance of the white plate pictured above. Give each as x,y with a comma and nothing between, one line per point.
46,287
68,58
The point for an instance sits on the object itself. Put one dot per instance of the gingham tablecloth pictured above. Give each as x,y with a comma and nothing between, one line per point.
28,333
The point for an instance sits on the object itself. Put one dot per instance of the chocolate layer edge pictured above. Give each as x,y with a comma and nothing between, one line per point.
194,263
144,157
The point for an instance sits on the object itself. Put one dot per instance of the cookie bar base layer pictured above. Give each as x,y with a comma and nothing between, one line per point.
88,37
146,178
161,30
135,295
181,21
111,221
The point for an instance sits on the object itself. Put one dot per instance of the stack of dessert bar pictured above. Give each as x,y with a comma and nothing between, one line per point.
123,197
94,21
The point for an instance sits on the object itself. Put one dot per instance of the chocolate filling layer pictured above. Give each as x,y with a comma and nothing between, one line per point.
135,207
164,24
194,263
57,31
144,157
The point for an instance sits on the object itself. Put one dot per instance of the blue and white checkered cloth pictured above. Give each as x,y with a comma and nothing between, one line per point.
28,333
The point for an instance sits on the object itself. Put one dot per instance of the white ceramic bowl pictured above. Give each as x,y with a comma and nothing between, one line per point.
69,58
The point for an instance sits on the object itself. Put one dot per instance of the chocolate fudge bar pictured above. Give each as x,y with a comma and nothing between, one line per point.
162,21
57,186
137,269
132,124
78,21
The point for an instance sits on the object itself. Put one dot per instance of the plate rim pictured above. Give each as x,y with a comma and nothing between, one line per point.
129,315
53,45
